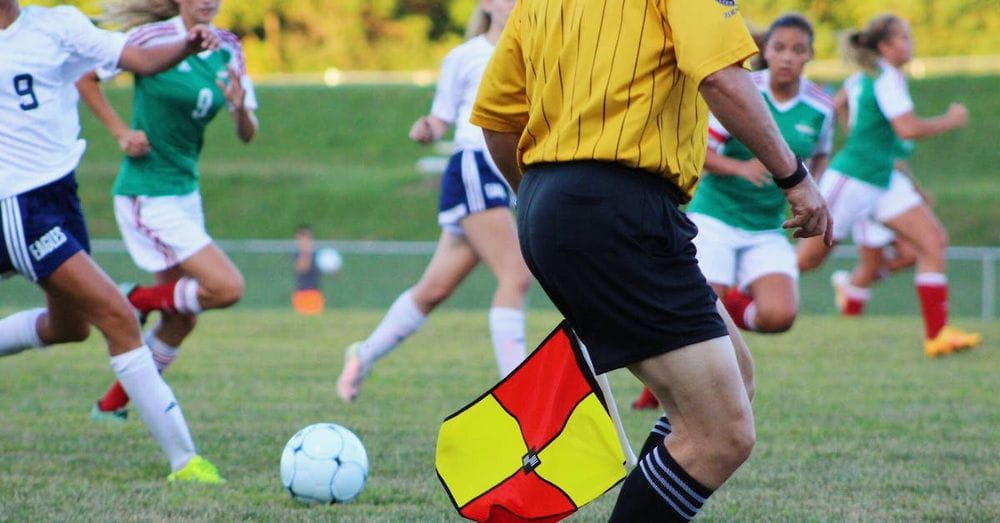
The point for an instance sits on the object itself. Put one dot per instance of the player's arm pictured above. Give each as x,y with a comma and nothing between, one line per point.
244,116
132,142
818,165
842,107
503,150
147,61
752,170
909,126
428,129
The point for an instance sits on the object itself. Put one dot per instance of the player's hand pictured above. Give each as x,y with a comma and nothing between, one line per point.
810,216
755,172
422,132
233,90
958,115
134,143
201,38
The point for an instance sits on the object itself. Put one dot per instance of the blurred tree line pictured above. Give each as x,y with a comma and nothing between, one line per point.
313,35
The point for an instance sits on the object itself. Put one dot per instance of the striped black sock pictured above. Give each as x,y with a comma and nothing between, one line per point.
660,431
658,489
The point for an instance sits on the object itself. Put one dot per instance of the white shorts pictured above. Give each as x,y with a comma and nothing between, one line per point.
869,232
161,231
728,255
850,200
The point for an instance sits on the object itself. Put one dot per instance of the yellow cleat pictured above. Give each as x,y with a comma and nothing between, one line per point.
951,340
197,470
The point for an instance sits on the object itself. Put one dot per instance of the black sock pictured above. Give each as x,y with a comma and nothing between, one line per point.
660,431
658,489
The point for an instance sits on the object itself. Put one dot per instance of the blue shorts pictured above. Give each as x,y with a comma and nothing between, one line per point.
470,184
42,228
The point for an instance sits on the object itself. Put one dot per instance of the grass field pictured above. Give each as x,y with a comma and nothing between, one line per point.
853,423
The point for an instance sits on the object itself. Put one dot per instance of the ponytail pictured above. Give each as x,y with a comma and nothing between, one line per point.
479,23
126,14
860,47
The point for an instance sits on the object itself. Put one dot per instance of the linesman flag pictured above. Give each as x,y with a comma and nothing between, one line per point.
538,445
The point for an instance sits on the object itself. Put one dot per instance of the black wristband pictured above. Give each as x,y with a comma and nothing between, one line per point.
795,178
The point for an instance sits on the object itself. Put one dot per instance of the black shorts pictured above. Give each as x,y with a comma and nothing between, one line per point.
609,246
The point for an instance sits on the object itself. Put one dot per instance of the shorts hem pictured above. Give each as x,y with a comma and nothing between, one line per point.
628,359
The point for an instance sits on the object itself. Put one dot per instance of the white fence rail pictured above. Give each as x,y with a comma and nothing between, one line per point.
987,256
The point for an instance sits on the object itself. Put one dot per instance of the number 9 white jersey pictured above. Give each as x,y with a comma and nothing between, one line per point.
45,51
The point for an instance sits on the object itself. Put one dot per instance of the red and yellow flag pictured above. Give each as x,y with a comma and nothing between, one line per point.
537,446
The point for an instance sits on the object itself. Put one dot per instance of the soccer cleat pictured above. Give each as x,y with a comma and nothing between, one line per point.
197,470
839,281
108,416
646,400
353,373
127,288
950,340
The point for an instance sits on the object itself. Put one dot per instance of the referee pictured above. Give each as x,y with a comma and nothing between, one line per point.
602,106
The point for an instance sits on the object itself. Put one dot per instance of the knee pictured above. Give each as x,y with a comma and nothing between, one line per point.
732,446
775,319
519,282
429,296
809,262
227,291
70,333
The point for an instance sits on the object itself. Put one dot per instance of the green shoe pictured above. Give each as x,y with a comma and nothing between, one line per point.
198,470
111,416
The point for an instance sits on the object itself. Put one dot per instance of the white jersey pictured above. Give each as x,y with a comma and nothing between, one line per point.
44,52
456,90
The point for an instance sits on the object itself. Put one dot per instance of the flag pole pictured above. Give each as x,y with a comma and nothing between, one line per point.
605,385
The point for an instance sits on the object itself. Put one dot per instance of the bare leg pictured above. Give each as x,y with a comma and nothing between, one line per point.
776,300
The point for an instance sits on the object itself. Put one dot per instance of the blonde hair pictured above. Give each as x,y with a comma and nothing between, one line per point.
479,23
861,47
126,14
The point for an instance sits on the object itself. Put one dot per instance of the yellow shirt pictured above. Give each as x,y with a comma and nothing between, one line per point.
611,80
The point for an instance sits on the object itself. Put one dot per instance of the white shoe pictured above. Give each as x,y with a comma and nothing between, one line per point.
353,374
839,280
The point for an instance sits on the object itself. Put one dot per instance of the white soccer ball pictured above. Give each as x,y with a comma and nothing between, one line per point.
324,463
328,260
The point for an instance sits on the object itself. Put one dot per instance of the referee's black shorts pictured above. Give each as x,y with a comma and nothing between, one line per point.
614,253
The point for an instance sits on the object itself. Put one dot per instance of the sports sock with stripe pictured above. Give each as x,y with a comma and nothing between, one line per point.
177,296
163,355
660,430
401,320
932,288
658,489
507,333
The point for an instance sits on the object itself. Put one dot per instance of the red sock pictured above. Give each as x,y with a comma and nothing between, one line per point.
854,307
155,298
934,306
736,304
114,399
646,400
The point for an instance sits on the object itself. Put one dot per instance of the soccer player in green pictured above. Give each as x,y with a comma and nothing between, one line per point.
862,174
742,249
157,202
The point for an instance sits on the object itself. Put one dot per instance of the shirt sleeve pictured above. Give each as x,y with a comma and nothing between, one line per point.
892,94
824,144
717,134
502,100
88,46
446,97
708,35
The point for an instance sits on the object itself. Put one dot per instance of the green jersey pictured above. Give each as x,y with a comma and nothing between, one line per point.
806,123
173,108
869,153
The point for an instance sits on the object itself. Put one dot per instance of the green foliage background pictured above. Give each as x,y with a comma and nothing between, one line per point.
313,35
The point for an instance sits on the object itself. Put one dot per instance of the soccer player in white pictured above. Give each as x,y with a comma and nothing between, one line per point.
44,51
861,174
475,218
156,193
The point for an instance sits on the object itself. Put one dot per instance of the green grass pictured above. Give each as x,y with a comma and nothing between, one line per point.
340,159
853,423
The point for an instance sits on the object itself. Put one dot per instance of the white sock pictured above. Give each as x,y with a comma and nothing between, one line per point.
931,279
402,320
163,354
19,332
156,403
507,332
186,296
750,316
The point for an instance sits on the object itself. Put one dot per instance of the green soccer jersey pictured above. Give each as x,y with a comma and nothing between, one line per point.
869,153
805,122
173,108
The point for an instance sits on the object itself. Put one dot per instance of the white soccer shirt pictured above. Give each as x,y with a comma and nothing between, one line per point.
45,51
456,90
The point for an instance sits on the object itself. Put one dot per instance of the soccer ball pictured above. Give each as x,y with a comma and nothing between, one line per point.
324,463
328,260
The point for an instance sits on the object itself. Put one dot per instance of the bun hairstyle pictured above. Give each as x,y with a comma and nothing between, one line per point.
479,23
788,20
126,14
860,47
